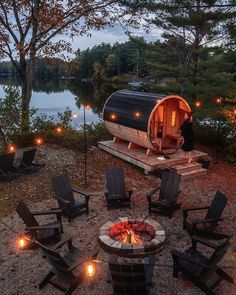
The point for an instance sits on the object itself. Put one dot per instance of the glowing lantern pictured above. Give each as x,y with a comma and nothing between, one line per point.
113,117
87,107
39,141
59,130
11,148
197,104
90,269
21,243
218,100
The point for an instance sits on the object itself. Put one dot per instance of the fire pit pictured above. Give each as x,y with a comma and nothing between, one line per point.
132,237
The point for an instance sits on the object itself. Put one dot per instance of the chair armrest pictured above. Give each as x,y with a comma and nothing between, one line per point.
196,239
196,208
152,192
197,221
66,202
52,211
80,260
76,190
67,240
43,227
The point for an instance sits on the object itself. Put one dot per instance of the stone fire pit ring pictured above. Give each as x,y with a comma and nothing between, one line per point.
110,230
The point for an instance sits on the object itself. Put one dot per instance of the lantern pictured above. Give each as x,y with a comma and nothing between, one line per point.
90,269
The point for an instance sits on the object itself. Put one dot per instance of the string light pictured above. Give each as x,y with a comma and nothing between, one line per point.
137,114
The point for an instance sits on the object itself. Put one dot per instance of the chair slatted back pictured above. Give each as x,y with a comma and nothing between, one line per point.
28,157
25,214
128,279
62,188
217,206
6,162
169,185
115,182
58,264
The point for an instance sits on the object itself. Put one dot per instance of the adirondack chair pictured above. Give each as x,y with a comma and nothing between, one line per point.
117,192
199,268
168,193
131,278
7,170
27,164
71,200
69,268
46,233
207,225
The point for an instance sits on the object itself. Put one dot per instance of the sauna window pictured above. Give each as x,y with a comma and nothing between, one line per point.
173,119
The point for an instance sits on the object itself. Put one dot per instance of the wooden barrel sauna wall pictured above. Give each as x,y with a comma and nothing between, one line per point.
144,119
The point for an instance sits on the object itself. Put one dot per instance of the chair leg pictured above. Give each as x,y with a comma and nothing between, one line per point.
74,285
46,279
87,209
224,275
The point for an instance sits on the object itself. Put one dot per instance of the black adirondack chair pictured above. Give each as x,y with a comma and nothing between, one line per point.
131,279
27,164
7,170
199,268
117,192
69,268
71,200
46,233
206,226
168,194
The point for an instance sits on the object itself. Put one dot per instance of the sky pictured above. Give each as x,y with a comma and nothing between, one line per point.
111,35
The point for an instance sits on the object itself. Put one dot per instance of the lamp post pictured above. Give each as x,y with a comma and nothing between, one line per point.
86,107
218,102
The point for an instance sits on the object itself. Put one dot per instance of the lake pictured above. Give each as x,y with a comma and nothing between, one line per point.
55,95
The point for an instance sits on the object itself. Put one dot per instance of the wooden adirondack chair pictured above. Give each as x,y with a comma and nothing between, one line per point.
69,268
207,225
71,200
46,233
117,192
27,164
168,193
131,279
198,267
7,170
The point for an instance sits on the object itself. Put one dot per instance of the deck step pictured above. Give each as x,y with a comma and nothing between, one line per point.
193,173
183,168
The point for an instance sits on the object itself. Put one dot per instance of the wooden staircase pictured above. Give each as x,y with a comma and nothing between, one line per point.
190,170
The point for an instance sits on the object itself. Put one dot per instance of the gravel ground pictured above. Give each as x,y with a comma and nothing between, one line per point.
21,272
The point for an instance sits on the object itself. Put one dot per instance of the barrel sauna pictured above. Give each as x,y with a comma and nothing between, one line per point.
148,120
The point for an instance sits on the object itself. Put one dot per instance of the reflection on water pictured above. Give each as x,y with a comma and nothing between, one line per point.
55,95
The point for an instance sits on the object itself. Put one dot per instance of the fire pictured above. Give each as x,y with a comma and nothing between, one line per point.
130,237
90,269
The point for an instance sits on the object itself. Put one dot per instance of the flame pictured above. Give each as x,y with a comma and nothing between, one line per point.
21,243
90,269
130,237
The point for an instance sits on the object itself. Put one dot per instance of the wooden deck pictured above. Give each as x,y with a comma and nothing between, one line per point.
138,157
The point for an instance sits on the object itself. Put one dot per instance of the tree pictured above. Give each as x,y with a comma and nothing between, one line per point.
190,25
33,28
